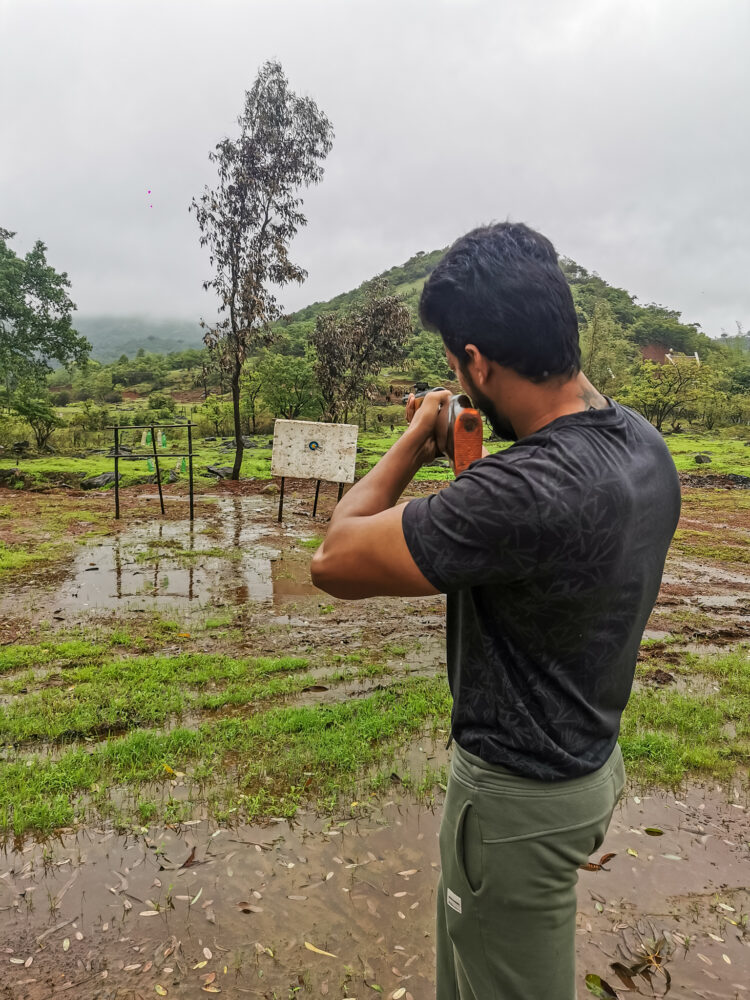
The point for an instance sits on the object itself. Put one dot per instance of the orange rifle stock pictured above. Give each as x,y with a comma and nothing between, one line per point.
463,433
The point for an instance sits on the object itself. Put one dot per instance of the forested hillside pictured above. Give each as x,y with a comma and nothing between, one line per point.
351,358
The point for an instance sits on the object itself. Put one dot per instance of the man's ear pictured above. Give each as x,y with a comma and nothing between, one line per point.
478,366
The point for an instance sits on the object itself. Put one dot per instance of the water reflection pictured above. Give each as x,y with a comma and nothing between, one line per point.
157,562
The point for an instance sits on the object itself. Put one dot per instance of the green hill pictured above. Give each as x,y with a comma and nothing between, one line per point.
638,325
632,323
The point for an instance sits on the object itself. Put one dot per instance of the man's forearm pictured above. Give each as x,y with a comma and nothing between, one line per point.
384,483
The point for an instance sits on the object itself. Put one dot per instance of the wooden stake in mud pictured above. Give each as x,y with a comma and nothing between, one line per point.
281,500
156,463
190,467
117,472
317,491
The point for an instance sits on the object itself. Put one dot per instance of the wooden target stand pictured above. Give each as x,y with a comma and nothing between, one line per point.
315,451
315,503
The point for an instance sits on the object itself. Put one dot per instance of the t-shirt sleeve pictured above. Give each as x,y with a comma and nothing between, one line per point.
482,529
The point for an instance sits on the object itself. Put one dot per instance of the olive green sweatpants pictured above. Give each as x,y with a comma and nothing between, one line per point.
510,848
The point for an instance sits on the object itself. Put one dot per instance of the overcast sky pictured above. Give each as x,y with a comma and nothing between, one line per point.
619,129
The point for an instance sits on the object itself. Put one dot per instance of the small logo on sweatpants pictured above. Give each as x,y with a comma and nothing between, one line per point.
454,901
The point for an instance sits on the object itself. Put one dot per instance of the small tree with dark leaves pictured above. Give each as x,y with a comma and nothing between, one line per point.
248,220
353,347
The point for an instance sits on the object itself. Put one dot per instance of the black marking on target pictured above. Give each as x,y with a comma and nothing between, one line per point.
313,446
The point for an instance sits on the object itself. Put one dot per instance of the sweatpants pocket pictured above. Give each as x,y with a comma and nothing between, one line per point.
469,847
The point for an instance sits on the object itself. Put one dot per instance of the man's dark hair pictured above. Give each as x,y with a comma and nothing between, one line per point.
500,287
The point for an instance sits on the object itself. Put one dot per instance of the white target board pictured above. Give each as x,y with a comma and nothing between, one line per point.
303,449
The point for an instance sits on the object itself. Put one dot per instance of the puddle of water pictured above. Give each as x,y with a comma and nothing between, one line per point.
721,600
173,571
363,890
701,571
655,633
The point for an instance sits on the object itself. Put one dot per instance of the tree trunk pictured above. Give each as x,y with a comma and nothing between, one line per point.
240,448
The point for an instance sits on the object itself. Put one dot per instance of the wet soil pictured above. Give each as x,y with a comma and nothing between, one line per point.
101,915
150,562
691,882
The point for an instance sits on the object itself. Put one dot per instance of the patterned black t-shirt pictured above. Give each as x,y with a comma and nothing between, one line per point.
551,554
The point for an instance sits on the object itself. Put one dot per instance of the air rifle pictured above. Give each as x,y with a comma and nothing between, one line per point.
459,429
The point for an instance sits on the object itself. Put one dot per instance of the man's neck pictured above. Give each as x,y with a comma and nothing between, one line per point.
541,403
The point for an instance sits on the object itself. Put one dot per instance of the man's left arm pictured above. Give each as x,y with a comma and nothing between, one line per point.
365,553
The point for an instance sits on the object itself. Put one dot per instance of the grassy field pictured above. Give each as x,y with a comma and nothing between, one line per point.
165,715
260,762
191,731
728,455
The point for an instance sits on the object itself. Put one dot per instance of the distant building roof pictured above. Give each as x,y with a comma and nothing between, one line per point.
663,355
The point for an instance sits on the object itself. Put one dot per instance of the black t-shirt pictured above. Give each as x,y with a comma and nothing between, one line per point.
551,554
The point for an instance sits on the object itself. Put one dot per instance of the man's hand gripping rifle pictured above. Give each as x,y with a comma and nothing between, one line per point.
458,432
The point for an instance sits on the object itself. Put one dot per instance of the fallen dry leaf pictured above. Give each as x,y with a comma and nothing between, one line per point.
246,907
318,951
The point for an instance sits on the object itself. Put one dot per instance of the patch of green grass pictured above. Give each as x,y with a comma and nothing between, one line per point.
47,470
62,654
17,557
668,735
366,670
700,501
219,621
108,696
157,551
728,454
259,766
310,543
721,546
392,649
45,536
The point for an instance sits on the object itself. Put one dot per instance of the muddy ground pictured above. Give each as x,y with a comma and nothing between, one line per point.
204,908
102,915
